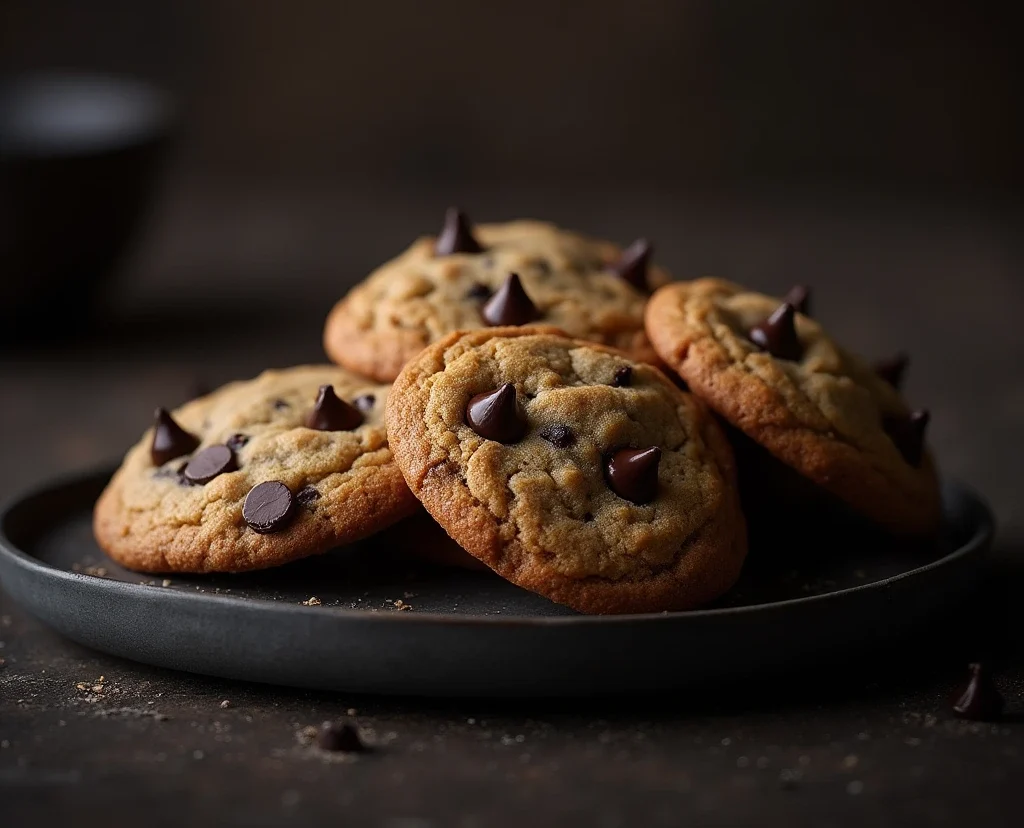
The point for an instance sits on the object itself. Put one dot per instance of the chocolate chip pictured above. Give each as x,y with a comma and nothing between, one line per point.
478,292
777,334
496,415
268,507
511,305
907,433
340,738
208,463
623,377
307,495
330,413
236,441
799,297
364,402
893,370
559,436
633,474
281,405
632,263
979,699
456,236
170,440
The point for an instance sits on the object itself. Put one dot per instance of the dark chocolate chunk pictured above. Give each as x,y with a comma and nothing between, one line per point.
799,297
268,507
331,413
511,305
208,463
479,292
777,334
633,474
236,441
559,436
632,264
364,402
456,236
623,377
170,440
907,433
979,699
340,737
496,415
307,495
893,370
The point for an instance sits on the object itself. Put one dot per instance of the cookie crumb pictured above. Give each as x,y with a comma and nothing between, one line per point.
96,571
312,601
340,738
351,711
224,705
165,582
401,605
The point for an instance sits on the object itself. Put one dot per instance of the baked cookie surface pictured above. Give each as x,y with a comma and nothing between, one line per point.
777,376
589,288
256,474
570,470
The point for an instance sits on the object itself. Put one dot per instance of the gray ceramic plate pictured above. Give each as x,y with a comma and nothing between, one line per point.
471,633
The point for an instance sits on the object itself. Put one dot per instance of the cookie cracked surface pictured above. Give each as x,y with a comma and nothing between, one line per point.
825,413
419,297
342,485
539,509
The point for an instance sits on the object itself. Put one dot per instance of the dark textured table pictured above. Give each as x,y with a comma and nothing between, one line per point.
230,282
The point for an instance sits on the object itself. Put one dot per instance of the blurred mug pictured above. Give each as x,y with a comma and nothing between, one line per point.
78,157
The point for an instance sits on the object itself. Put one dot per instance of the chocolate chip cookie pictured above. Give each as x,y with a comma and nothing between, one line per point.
493,274
256,474
570,469
773,372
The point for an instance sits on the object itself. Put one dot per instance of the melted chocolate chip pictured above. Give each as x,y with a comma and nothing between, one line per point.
236,441
170,440
632,264
496,415
907,433
478,292
208,463
307,495
623,377
979,700
364,402
893,370
633,474
340,738
777,334
331,413
511,305
456,236
268,507
799,297
559,436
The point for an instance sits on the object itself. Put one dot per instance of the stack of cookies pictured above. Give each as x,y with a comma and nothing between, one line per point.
565,426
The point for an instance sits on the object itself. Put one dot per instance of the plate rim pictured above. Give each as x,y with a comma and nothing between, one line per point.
981,536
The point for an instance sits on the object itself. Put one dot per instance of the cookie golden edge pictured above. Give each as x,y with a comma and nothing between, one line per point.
707,568
754,408
379,497
382,353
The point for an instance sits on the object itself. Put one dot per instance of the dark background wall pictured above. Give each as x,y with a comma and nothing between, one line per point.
915,97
